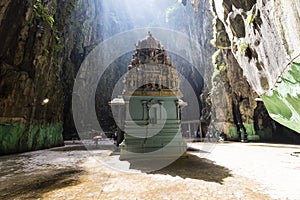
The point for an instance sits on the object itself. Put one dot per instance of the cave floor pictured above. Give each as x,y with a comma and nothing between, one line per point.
230,171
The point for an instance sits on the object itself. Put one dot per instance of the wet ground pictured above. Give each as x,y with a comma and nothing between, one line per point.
230,171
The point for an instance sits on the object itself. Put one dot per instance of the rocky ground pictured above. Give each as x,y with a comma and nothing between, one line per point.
230,171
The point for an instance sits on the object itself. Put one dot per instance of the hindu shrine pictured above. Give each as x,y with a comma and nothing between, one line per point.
152,104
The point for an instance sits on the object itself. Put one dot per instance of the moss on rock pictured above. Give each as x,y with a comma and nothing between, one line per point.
19,137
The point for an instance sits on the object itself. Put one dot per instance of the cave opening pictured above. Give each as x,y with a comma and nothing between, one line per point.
46,42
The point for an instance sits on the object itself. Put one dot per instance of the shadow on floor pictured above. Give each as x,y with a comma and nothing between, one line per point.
33,186
191,166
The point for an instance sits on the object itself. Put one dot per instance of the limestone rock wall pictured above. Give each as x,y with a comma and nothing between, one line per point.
80,36
31,93
232,98
264,39
44,44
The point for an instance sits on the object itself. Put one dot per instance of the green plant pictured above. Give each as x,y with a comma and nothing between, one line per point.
243,46
42,13
250,18
59,47
57,38
46,52
221,68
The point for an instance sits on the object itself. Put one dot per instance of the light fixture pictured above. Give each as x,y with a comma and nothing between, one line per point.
45,101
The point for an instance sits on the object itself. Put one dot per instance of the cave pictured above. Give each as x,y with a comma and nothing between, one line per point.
131,99
48,44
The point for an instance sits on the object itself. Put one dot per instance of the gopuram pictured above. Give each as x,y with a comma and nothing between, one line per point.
152,105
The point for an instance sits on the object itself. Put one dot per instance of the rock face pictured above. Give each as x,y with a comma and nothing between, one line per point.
263,37
80,36
232,98
44,45
31,101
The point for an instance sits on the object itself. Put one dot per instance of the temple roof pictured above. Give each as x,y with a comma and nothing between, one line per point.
149,42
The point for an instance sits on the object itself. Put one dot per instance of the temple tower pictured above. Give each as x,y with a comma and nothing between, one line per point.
152,104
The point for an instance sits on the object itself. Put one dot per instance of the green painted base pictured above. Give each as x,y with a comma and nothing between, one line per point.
167,142
168,152
152,128
19,137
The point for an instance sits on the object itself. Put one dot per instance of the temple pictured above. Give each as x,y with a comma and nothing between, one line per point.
151,72
152,104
